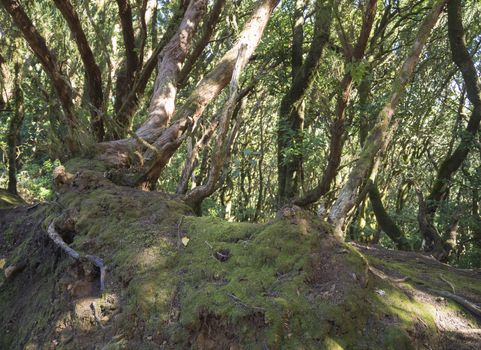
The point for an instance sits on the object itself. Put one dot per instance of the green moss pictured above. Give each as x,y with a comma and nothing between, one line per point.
76,164
286,284
8,200
266,275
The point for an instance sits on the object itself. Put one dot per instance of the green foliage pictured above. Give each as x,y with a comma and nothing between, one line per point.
34,180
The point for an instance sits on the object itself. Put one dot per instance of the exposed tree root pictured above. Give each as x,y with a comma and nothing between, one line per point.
449,283
383,276
471,307
96,261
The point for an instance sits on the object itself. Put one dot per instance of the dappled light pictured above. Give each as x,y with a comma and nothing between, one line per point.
255,174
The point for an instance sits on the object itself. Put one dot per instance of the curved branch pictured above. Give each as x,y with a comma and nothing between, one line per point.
464,62
202,42
208,88
198,194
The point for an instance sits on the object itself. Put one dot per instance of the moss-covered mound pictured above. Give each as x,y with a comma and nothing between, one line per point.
175,281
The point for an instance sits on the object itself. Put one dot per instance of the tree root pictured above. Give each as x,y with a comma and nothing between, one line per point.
363,280
449,283
471,307
96,261
383,276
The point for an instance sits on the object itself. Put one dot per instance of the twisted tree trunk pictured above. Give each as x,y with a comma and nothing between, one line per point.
167,140
453,161
338,128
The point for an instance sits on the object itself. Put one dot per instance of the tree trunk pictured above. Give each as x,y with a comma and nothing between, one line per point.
60,82
92,71
381,131
384,220
129,103
462,59
192,156
207,30
13,136
207,89
126,74
171,59
291,112
338,128
168,140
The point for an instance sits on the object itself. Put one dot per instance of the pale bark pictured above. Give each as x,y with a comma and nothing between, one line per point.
171,59
6,83
380,132
129,104
207,89
94,260
167,141
207,30
197,195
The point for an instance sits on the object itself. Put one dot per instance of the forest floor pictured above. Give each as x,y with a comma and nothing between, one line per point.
175,281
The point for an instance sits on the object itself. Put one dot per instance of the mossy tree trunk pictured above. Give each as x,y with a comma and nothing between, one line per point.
291,112
453,161
382,130
386,223
337,130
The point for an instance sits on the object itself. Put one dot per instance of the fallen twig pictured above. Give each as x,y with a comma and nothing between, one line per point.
449,283
240,302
